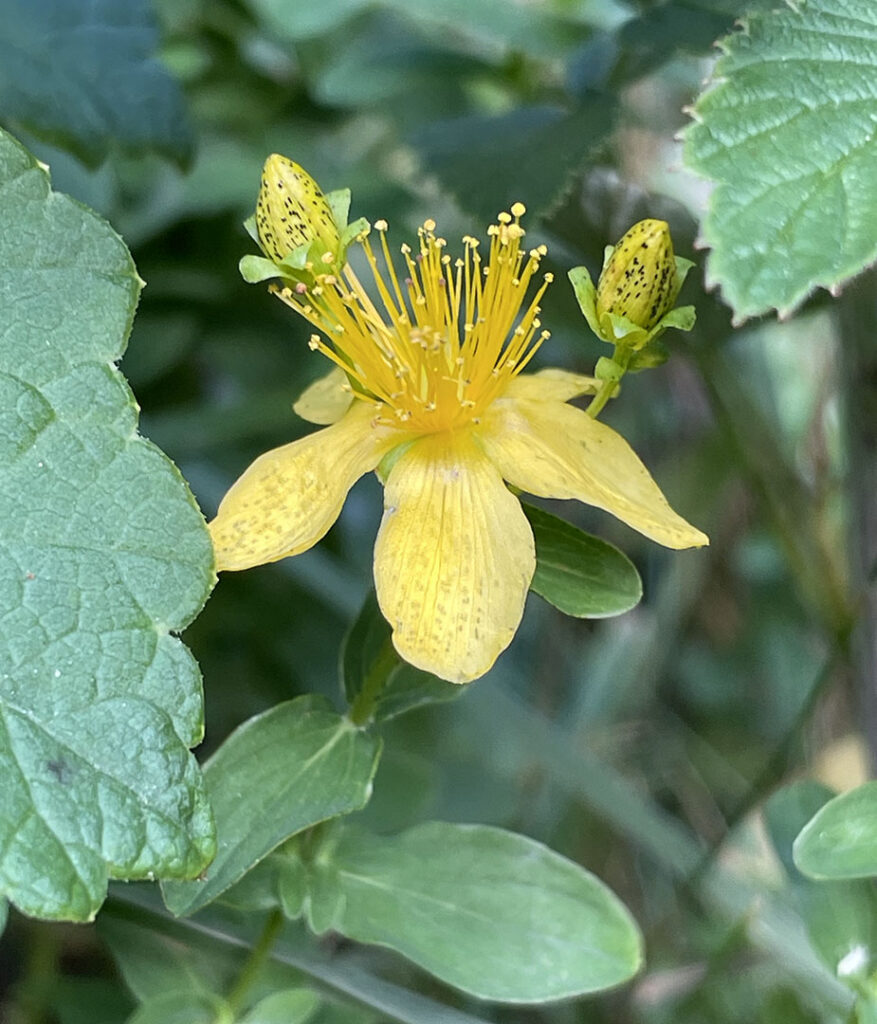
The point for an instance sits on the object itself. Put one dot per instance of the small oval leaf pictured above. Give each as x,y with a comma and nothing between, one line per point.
280,772
840,840
581,575
490,912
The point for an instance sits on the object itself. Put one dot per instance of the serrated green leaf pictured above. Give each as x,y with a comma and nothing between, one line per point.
279,773
292,1006
787,132
85,76
103,554
840,841
369,663
490,912
580,574
541,148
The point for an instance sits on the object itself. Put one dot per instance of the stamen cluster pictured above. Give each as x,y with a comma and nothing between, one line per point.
439,345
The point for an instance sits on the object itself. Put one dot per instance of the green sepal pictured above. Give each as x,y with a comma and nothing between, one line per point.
618,330
386,464
353,231
682,267
586,296
608,369
682,319
251,229
298,259
655,353
255,269
607,255
339,204
292,269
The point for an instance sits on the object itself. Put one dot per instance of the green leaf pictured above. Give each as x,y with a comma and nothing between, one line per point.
340,972
153,964
787,132
840,841
184,1008
841,917
787,811
542,148
84,76
496,23
103,554
580,574
376,682
490,912
282,771
77,999
292,1006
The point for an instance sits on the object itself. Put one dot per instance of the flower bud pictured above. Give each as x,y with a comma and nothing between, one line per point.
639,279
292,211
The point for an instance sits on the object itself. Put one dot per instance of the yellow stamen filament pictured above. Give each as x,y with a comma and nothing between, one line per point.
447,339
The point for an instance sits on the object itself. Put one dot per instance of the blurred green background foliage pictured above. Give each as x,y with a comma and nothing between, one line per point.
643,747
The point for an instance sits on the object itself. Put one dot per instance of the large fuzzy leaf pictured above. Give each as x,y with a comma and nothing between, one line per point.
787,133
103,555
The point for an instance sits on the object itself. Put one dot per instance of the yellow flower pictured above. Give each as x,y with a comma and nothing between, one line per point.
428,390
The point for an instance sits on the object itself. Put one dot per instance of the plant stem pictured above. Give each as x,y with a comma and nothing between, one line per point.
858,325
601,398
363,708
253,965
608,388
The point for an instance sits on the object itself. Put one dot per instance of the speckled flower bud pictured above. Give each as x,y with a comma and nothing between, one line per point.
639,280
292,211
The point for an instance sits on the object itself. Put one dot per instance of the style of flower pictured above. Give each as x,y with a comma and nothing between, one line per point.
428,389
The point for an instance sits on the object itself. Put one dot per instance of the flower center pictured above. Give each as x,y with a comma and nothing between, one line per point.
441,344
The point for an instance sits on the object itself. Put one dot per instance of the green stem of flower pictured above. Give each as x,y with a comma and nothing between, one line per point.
363,708
608,388
254,963
601,398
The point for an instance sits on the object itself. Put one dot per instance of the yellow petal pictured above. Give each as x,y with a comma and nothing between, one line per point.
558,451
551,384
289,497
453,559
326,400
